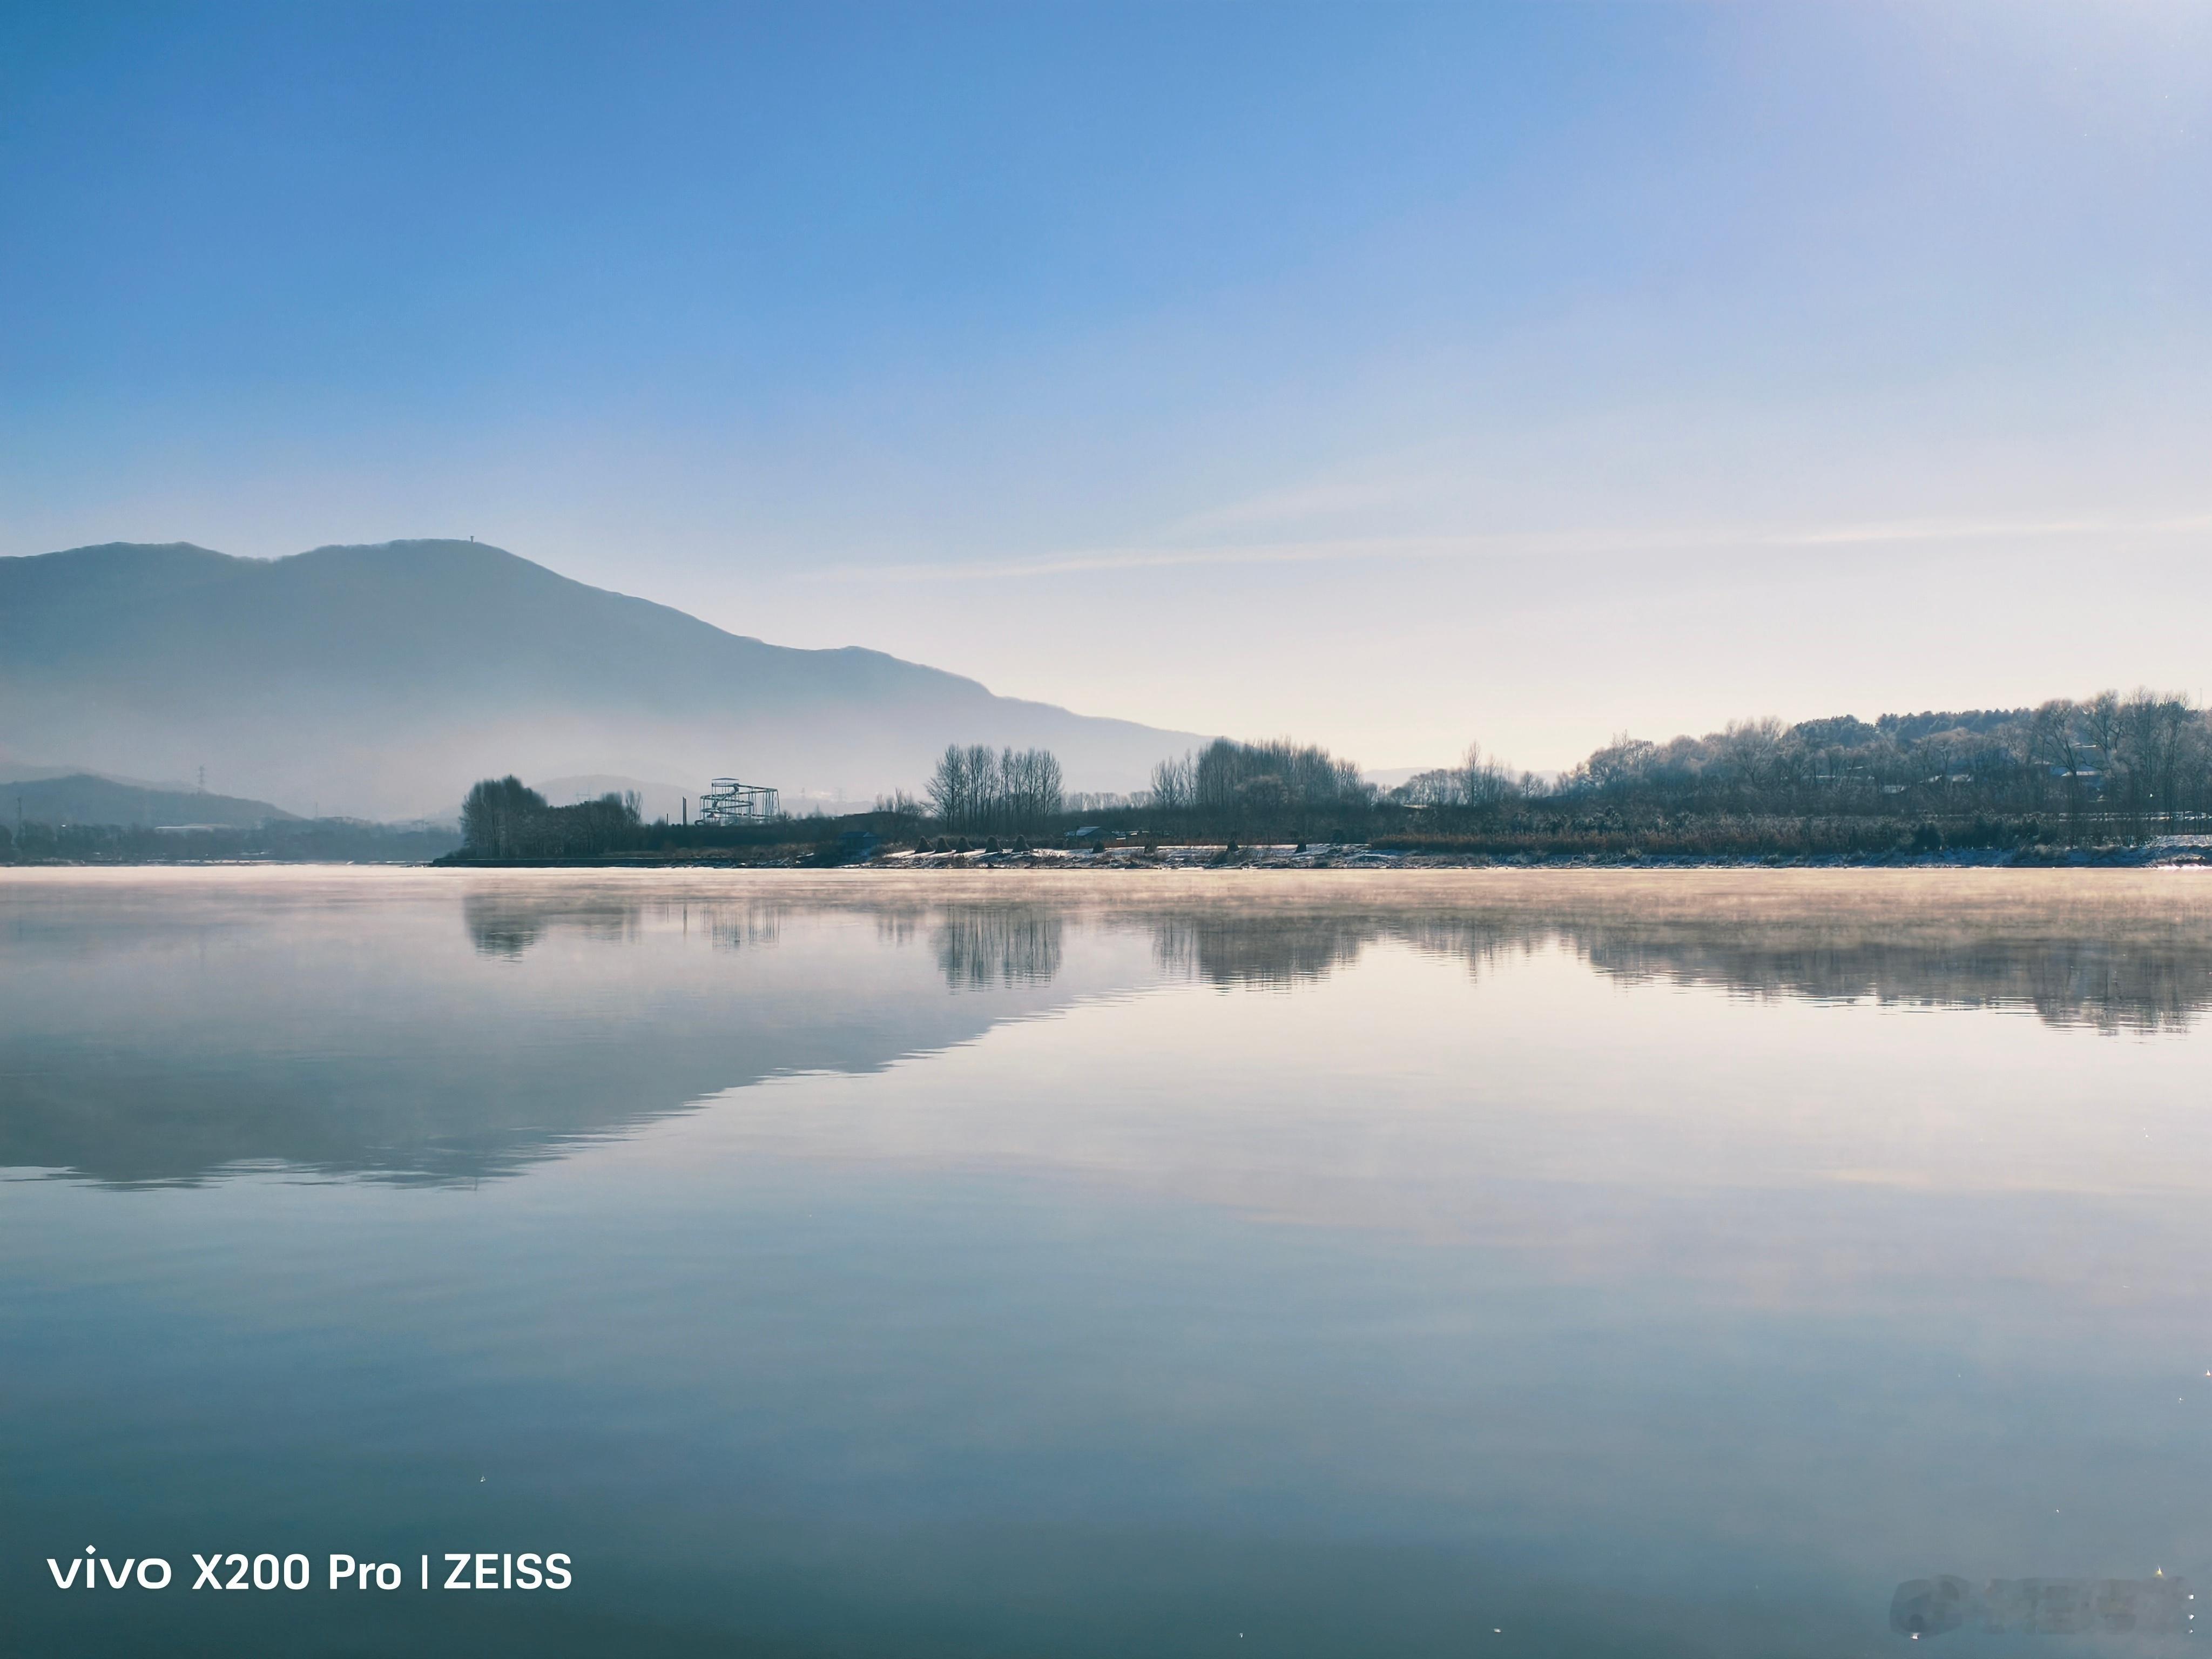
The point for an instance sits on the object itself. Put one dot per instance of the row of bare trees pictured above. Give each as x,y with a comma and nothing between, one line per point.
976,788
2106,768
2143,760
2112,766
1477,783
1258,788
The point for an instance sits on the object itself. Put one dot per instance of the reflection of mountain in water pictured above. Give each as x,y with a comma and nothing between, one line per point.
162,1036
145,1046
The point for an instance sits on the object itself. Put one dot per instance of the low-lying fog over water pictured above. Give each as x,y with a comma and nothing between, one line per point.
1478,1262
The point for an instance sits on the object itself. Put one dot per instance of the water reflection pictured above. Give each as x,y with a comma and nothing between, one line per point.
1269,951
1302,1267
506,924
161,1040
2138,961
980,946
2134,955
151,1044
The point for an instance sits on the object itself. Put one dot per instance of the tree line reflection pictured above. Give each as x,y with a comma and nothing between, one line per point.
167,1037
2111,966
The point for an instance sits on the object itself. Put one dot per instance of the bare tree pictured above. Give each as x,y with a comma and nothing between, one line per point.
1486,783
899,804
1031,781
976,787
1173,784
1752,751
2055,746
947,788
986,787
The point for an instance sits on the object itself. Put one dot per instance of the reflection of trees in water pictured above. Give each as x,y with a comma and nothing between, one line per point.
1275,951
2123,977
500,930
2111,985
2140,963
980,946
508,924
734,926
1278,950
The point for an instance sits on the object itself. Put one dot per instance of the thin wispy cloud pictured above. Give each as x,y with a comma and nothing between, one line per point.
1940,530
1351,549
1311,502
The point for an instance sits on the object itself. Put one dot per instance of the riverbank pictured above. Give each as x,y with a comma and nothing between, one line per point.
2162,852
2168,852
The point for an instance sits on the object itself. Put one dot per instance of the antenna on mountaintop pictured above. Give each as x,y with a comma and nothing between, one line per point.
204,780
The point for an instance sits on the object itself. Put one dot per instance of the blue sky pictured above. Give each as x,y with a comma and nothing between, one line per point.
1389,375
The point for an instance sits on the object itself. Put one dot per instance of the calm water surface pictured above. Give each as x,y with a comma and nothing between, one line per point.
1482,1263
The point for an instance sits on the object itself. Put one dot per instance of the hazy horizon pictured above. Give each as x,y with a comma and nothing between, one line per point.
408,676
1390,378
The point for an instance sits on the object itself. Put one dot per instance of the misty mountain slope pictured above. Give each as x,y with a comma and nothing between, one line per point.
383,680
83,799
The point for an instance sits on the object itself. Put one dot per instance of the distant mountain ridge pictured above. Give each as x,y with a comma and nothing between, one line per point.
381,681
85,798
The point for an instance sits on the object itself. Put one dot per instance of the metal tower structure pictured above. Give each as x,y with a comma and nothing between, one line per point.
728,801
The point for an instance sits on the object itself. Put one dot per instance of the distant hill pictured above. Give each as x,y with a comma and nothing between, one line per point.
382,681
84,798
